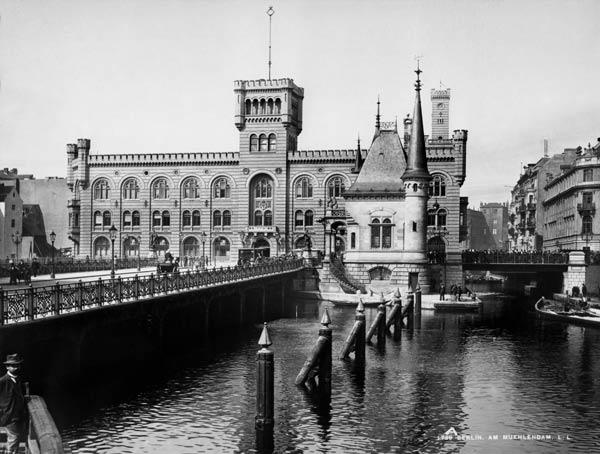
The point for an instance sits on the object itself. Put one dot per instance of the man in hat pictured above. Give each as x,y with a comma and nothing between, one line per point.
13,409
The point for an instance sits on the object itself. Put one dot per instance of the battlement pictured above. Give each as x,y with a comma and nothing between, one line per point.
264,84
72,148
322,155
460,134
437,93
83,144
164,158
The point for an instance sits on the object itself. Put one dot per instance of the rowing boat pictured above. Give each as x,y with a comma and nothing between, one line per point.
457,306
550,310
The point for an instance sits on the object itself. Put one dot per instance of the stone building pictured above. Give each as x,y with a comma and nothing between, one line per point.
496,216
11,227
268,194
480,236
570,220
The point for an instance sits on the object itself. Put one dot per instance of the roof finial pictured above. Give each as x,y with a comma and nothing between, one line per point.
270,13
418,71
377,117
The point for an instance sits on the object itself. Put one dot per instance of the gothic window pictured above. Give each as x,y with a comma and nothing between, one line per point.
298,219
304,188
375,233
186,219
263,188
101,189
268,217
386,233
253,142
335,187
263,143
191,188
226,218
126,219
441,217
308,218
272,142
166,218
437,186
160,189
217,219
270,106
277,106
255,107
195,218
586,225
261,200
248,106
258,217
106,219
97,219
135,219
222,188
131,189
431,218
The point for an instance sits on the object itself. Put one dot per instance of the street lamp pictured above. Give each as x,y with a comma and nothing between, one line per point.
16,238
113,235
139,250
52,239
203,239
277,235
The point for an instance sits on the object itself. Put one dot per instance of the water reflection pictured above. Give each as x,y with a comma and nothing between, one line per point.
500,372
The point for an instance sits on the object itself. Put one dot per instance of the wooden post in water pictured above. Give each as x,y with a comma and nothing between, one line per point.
411,310
326,354
418,306
381,328
360,344
265,383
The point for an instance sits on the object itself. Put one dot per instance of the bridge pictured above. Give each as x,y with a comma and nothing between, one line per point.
515,262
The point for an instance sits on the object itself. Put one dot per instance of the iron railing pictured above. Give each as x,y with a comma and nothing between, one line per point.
515,257
62,265
32,303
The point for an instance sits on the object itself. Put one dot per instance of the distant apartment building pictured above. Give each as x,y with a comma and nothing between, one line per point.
496,216
11,215
479,235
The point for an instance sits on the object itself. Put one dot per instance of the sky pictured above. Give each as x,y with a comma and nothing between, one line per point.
157,76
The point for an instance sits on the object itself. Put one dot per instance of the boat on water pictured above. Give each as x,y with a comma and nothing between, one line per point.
347,299
553,310
457,306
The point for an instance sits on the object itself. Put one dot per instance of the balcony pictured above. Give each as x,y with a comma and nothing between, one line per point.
73,204
586,208
261,229
531,206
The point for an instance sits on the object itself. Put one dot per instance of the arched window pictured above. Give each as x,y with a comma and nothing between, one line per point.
386,234
308,218
131,247
226,218
106,219
335,187
101,247
253,142
217,220
586,224
166,218
263,143
160,189
304,188
248,106
258,217
222,190
441,217
380,273
126,219
191,246
131,189
191,188
375,233
431,218
186,219
221,248
263,188
135,219
277,106
268,217
156,218
196,218
272,142
299,219
255,107
97,219
437,186
101,190
263,105
270,106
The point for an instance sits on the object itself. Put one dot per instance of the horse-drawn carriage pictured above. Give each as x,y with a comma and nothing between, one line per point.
168,265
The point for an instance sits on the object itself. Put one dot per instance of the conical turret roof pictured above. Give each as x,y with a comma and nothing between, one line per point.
416,167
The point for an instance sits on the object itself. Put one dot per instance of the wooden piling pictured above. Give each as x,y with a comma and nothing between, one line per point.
356,339
410,307
417,315
265,383
326,354
376,325
381,329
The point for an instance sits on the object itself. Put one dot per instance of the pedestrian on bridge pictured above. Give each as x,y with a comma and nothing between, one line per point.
442,292
13,408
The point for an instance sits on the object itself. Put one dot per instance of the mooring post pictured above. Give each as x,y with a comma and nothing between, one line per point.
418,306
360,344
381,328
326,354
410,314
265,384
398,318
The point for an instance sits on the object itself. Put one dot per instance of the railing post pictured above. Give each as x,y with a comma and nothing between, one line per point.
56,295
136,287
165,283
99,293
79,295
30,303
119,289
2,299
151,286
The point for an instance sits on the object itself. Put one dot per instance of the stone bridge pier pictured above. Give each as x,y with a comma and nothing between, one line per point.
575,274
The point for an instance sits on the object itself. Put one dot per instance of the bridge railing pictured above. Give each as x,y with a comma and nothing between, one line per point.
34,303
500,257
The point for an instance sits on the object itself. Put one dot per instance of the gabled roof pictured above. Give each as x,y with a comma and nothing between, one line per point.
383,167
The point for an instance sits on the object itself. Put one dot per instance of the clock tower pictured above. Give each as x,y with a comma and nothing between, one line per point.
440,114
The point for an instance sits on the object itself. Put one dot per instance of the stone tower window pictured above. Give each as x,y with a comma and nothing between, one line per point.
222,189
101,189
191,188
272,142
277,106
160,189
270,106
304,188
131,189
253,142
263,144
335,187
437,186
248,106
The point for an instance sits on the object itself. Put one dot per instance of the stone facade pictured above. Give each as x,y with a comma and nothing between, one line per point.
11,219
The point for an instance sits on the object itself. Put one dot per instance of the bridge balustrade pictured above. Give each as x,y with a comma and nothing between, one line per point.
31,303
504,257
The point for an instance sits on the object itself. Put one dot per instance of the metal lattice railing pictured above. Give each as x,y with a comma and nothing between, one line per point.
53,300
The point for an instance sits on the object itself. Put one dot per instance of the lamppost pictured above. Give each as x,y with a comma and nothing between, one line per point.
139,251
52,239
277,235
113,235
203,239
16,238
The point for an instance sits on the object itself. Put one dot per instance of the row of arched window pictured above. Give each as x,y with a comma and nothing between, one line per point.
263,142
263,106
303,218
189,218
263,187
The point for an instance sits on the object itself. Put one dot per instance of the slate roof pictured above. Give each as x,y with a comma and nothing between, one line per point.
383,167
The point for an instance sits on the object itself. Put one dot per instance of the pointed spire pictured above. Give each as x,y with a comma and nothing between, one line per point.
361,306
326,320
416,167
265,339
358,161
378,116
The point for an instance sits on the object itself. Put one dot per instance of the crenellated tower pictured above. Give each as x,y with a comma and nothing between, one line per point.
440,114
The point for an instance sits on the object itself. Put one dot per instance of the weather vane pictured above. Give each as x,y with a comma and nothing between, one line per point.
418,71
270,13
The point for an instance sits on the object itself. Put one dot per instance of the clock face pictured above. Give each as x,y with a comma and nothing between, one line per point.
441,105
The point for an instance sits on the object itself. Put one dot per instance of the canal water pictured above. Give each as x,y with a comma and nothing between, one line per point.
496,382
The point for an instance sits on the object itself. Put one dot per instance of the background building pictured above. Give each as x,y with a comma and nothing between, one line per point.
496,216
480,236
11,228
